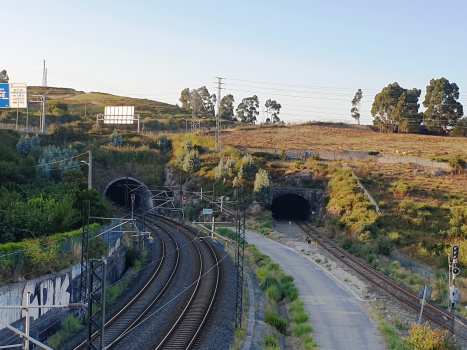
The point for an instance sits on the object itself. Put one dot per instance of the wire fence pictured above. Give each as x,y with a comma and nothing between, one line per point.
39,257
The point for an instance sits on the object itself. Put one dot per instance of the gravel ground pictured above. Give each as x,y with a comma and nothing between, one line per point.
164,313
218,331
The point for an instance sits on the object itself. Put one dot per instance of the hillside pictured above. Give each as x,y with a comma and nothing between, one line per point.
78,109
347,137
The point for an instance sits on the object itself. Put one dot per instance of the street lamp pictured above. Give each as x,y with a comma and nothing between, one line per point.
89,164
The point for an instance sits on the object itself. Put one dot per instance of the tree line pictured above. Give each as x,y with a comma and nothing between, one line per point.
396,109
247,110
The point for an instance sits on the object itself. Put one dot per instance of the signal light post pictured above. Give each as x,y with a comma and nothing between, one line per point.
454,296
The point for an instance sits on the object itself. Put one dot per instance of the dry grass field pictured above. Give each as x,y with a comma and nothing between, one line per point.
347,137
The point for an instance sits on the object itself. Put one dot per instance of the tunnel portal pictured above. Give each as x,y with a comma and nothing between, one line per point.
290,207
120,190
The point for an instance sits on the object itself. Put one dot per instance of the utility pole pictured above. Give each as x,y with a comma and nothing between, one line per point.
44,75
89,164
193,114
240,254
97,284
85,253
218,115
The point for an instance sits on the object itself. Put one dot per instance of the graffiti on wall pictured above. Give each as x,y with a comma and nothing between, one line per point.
54,291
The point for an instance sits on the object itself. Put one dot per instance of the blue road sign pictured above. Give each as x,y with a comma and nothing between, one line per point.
207,211
4,95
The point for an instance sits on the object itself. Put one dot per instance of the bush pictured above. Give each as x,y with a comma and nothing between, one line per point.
269,281
271,318
290,291
274,266
270,341
297,306
132,254
299,317
401,187
274,293
301,329
423,337
384,246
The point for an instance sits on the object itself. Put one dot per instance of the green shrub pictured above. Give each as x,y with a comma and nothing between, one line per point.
287,278
290,291
299,317
113,292
269,281
271,318
274,293
310,343
301,329
270,341
71,325
383,205
297,306
261,273
55,340
132,254
400,187
274,266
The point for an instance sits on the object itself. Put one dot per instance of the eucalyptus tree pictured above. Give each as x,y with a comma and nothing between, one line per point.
395,109
356,105
227,107
247,110
274,108
442,107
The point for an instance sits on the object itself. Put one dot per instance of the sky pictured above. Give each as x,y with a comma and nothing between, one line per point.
310,56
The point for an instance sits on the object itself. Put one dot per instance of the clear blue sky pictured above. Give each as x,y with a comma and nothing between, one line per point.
154,49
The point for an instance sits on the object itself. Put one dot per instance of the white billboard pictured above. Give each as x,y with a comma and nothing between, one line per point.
119,115
18,95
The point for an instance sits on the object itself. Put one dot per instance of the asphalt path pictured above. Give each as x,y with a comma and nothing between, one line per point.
339,321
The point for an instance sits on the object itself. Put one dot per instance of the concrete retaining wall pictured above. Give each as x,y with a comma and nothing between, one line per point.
59,288
350,155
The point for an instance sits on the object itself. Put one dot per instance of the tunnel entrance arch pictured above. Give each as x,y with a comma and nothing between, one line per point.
119,191
290,207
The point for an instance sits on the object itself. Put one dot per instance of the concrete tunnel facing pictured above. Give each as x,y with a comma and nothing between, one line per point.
120,190
290,207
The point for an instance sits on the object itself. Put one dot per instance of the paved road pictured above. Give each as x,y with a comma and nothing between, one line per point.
339,321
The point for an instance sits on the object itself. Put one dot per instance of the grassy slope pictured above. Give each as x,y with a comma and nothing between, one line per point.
347,137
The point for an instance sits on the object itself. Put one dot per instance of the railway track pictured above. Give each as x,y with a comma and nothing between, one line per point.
430,313
184,331
127,318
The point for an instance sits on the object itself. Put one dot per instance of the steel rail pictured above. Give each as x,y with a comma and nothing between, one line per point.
140,294
194,315
140,317
412,298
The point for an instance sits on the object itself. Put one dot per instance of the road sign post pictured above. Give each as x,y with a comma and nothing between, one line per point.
424,293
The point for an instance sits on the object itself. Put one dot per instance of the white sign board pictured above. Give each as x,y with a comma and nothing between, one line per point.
119,115
18,95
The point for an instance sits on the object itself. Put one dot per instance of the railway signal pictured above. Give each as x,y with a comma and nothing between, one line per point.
455,253
184,201
454,295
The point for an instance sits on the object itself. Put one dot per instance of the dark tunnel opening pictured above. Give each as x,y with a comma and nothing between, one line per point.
120,193
290,207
